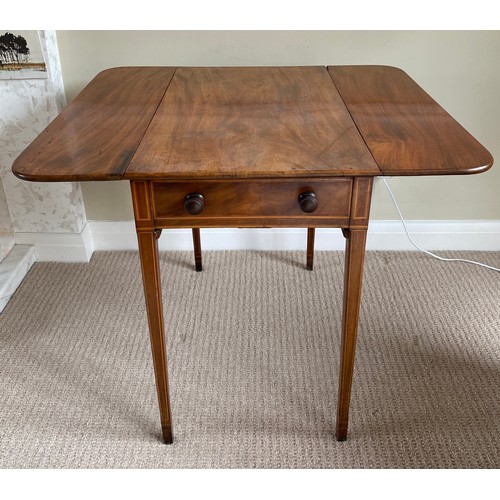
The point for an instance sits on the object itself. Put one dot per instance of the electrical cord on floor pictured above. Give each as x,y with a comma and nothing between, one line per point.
427,251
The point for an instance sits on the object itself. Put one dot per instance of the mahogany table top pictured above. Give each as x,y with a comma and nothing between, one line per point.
250,122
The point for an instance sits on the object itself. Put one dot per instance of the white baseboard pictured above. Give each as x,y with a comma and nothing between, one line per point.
59,247
382,235
435,235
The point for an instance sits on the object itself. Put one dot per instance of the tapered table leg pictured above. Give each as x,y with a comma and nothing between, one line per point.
353,275
310,248
147,238
148,249
197,248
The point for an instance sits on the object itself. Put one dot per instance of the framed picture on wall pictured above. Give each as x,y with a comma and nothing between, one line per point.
21,55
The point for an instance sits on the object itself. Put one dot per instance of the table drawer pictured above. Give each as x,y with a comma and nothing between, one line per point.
252,202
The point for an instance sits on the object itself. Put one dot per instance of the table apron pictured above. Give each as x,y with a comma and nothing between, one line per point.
252,202
342,202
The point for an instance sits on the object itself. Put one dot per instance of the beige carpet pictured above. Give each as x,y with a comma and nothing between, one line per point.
253,346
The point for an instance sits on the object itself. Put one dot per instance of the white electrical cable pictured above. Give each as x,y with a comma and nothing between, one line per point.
427,251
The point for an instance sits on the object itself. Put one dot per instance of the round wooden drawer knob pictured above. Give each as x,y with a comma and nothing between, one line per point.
194,203
308,202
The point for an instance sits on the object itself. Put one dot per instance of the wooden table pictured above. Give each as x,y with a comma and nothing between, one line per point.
251,147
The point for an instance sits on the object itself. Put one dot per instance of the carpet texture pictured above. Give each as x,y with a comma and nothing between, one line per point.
253,348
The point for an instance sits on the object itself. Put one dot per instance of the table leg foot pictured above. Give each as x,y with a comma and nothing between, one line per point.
168,437
341,431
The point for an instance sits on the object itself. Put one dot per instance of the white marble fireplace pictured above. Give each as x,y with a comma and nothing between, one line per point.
32,212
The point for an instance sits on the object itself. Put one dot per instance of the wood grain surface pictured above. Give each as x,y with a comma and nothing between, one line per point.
253,203
95,137
407,132
251,122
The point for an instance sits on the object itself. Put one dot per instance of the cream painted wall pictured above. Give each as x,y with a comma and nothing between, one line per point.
460,70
